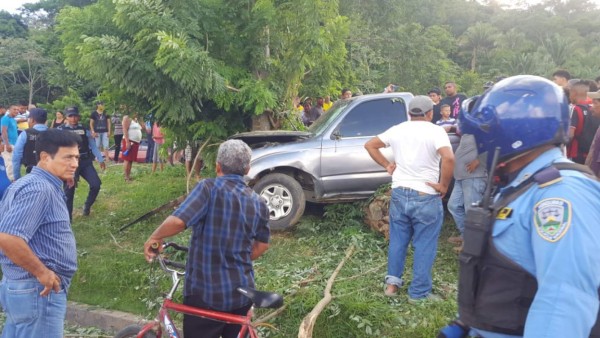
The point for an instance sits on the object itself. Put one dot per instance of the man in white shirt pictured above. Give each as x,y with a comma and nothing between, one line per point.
416,211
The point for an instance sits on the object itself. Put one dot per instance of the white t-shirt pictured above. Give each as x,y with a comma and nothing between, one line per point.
415,145
135,131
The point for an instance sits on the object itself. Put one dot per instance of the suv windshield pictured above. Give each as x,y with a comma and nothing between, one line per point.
323,121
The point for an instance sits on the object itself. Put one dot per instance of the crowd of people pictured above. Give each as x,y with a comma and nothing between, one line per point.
526,244
516,245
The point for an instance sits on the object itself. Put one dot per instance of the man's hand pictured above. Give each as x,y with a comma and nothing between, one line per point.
390,168
152,247
50,281
471,166
93,134
440,188
103,165
8,148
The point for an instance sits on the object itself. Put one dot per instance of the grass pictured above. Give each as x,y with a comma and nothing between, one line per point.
113,274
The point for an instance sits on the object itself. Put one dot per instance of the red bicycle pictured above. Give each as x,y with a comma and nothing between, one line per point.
164,323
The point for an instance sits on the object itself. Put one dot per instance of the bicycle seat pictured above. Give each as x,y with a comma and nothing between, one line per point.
262,299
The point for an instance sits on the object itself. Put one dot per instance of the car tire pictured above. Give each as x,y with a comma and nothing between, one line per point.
284,197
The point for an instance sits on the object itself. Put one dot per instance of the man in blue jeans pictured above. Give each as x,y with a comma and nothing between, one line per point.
469,185
37,247
416,211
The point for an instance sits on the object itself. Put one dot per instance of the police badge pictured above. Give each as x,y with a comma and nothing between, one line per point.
552,218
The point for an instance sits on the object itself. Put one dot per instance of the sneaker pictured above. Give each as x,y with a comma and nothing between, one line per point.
455,240
431,297
390,290
86,210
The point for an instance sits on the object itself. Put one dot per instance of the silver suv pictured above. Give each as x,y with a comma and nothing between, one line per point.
327,163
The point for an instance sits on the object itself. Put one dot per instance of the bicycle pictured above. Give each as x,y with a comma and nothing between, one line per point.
153,329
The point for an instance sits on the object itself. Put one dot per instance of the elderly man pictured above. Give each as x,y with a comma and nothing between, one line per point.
416,211
37,247
230,229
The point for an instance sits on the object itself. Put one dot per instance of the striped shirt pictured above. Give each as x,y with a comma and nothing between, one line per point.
34,209
226,217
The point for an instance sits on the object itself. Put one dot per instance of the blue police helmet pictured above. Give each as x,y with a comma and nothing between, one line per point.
517,114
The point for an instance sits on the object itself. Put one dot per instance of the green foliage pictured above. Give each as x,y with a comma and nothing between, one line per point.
12,26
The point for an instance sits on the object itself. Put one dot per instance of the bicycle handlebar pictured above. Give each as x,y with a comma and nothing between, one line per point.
166,261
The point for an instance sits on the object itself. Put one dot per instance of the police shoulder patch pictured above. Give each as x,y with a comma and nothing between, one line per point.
552,218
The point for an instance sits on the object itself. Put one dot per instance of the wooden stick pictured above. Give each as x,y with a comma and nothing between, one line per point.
168,205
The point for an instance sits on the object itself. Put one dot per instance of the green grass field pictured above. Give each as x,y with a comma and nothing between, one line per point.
113,273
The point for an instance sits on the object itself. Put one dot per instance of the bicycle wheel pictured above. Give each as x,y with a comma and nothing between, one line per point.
131,331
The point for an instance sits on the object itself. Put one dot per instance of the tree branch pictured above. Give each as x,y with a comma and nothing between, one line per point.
308,324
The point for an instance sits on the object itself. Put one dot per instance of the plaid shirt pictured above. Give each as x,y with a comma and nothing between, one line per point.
226,217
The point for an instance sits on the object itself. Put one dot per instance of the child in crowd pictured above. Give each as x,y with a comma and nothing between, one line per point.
446,122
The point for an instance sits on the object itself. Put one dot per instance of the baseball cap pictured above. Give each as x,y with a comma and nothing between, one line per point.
38,115
71,111
420,105
435,90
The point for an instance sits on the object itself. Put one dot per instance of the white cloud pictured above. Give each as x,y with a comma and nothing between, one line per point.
11,6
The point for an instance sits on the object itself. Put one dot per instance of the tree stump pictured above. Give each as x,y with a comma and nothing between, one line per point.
377,214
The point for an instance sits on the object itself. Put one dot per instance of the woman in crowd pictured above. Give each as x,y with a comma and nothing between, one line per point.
58,121
132,135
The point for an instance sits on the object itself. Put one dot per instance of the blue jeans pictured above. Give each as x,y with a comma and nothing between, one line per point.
465,193
418,217
30,315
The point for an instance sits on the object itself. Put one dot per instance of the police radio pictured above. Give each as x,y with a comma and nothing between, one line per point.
478,224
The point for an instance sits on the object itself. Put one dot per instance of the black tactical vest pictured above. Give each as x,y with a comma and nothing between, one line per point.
495,293
29,158
84,146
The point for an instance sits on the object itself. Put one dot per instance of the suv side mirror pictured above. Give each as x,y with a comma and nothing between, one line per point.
336,135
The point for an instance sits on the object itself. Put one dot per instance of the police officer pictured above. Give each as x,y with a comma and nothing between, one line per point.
530,263
24,151
87,152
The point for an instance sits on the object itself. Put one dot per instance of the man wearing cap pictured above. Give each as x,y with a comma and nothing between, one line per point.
100,127
9,138
435,94
87,152
416,211
593,158
24,152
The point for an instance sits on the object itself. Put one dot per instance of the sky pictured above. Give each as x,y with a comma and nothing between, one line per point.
12,5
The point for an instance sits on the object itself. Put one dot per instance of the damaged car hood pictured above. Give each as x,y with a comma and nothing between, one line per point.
258,138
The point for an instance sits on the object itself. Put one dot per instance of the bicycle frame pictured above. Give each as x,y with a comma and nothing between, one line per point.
168,304
164,318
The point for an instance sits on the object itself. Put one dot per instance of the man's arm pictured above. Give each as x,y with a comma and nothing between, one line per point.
170,227
92,130
108,125
446,171
5,134
18,154
372,146
258,248
19,252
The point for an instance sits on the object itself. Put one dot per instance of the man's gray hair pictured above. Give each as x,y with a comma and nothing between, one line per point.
234,157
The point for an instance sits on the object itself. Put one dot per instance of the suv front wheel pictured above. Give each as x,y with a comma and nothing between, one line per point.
284,197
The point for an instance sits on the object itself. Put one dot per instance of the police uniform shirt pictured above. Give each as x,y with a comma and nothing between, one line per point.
553,232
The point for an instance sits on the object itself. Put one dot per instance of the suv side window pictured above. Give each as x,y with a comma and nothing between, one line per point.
372,118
